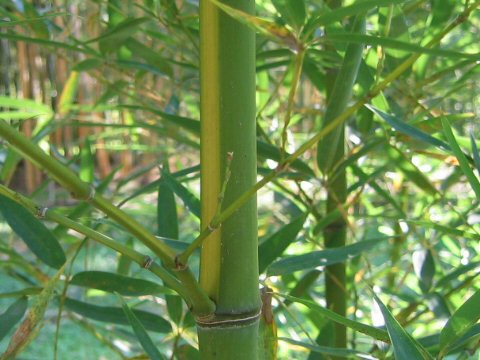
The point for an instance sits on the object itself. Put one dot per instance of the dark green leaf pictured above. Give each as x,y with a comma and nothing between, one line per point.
150,321
174,308
12,316
475,152
342,353
326,257
329,17
462,159
275,245
408,129
398,45
87,64
37,237
404,346
424,267
293,11
190,200
141,333
167,219
123,285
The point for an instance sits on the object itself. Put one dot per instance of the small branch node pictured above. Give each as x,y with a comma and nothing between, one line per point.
147,263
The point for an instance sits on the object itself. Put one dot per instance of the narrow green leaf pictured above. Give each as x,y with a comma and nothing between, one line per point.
276,244
330,17
292,11
475,152
390,43
371,331
408,129
167,219
151,56
87,64
326,257
124,285
150,321
190,200
45,42
174,308
462,159
404,346
141,333
12,316
24,292
461,321
114,36
410,171
87,162
455,274
34,233
343,353
29,20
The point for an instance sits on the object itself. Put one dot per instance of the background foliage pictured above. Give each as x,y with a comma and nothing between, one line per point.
111,89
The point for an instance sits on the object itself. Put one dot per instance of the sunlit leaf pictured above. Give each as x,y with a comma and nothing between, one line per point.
462,160
462,319
404,346
141,333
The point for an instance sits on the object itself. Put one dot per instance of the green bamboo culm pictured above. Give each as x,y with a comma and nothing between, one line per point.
229,260
330,151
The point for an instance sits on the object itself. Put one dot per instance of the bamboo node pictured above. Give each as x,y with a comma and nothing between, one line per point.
147,262
41,212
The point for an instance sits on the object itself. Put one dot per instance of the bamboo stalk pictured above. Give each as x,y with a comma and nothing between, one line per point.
229,261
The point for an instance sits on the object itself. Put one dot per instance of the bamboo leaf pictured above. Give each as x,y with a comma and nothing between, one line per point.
404,346
475,152
4,23
326,257
167,219
12,316
327,350
150,321
276,244
123,285
462,160
293,11
461,321
190,200
371,331
390,43
87,64
331,148
114,36
330,17
35,235
408,129
455,274
141,333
